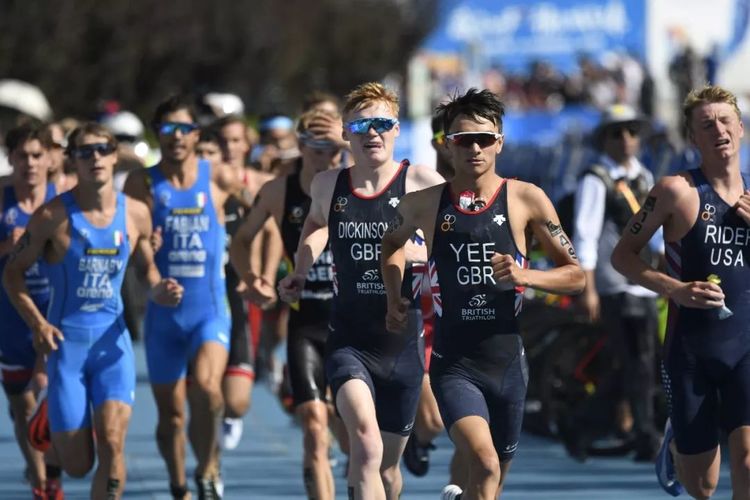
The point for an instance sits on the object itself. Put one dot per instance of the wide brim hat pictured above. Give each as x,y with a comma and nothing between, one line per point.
618,115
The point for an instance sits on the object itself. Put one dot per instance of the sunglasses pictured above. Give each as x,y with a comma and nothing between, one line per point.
468,139
169,128
617,132
363,125
439,138
86,152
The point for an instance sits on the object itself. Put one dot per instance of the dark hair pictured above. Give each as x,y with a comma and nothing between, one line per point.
212,133
474,103
18,136
437,123
89,128
172,104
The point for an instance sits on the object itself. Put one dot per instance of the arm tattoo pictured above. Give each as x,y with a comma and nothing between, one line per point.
553,228
636,227
565,242
649,204
395,224
21,244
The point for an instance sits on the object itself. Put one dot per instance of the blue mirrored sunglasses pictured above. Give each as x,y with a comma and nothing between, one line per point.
169,128
87,151
363,125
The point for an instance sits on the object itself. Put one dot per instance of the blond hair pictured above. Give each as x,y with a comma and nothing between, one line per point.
369,93
707,95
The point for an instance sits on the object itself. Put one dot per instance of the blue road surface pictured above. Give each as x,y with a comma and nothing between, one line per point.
268,463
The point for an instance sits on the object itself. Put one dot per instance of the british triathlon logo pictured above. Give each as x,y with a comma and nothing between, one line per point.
370,283
476,309
296,214
370,275
393,202
448,221
478,300
340,204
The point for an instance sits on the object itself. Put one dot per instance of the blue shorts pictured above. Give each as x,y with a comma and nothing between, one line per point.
709,391
173,336
17,355
392,372
88,368
465,388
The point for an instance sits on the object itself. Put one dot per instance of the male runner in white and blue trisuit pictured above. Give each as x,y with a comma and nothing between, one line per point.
186,197
705,213
375,377
85,237
478,229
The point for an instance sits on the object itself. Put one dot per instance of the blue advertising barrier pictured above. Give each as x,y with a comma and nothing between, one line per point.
515,32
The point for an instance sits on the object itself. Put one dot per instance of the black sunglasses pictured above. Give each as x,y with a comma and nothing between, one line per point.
87,151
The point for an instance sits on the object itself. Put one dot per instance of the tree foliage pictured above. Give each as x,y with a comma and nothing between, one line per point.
269,52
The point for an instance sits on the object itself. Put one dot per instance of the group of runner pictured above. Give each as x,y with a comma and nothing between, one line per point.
364,242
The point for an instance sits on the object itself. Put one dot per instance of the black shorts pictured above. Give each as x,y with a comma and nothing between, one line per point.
305,352
241,356
393,373
464,388
708,391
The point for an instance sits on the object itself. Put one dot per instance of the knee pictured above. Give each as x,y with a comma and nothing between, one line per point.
485,464
315,435
434,424
77,466
391,478
366,448
237,404
170,423
700,487
110,443
210,387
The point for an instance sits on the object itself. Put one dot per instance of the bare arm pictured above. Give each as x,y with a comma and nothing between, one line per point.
566,277
393,260
163,291
256,259
314,235
657,211
27,251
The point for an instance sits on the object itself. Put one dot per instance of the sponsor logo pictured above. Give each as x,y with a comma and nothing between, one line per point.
91,307
296,215
11,216
708,212
340,204
448,221
499,219
393,202
102,251
187,211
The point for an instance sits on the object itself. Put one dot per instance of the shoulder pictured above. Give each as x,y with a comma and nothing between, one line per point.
421,176
524,191
138,181
136,208
422,199
325,180
674,186
50,215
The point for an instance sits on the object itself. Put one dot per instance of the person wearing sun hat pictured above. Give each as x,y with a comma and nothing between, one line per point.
609,192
